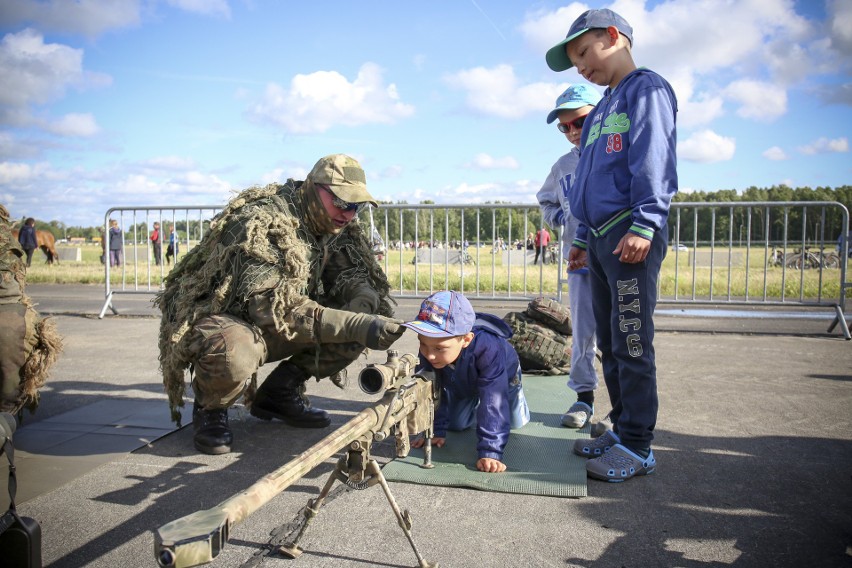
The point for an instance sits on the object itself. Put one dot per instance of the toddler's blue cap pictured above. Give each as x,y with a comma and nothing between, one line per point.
443,314
556,57
575,96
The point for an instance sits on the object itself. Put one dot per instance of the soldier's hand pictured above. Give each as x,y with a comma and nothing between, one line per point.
384,332
375,332
490,465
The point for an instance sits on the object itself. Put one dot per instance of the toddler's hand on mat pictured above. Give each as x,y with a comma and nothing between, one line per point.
490,465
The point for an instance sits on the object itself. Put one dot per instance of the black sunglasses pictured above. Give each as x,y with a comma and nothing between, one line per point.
341,204
576,123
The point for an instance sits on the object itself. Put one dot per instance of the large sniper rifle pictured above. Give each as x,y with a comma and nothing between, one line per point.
407,408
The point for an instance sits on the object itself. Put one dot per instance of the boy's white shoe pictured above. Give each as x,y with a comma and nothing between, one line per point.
578,415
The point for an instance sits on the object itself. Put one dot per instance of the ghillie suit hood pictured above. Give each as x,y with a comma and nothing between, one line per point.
262,242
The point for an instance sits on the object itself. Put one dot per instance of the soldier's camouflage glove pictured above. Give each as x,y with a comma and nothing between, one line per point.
375,332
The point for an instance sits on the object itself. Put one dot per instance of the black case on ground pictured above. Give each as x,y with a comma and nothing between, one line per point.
20,537
20,541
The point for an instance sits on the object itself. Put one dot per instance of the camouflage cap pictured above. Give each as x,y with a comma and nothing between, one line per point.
344,176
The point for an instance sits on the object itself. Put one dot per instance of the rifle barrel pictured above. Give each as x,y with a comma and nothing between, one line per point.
199,537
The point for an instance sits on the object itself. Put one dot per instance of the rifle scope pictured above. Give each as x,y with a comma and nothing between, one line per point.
375,378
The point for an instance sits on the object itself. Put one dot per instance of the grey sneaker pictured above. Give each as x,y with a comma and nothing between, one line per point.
620,464
596,447
578,415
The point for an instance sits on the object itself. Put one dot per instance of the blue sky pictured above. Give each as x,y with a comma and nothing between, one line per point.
110,103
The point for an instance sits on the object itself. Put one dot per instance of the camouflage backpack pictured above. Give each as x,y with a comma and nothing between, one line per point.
551,313
541,349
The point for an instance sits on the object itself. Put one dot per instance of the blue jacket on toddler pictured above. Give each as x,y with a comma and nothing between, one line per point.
482,387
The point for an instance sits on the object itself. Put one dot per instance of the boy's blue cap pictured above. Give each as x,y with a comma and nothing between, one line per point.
444,314
556,57
575,96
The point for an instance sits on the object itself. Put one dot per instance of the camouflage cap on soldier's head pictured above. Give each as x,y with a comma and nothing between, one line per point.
344,176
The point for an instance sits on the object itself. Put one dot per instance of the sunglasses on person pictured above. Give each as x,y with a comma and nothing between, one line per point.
576,123
341,204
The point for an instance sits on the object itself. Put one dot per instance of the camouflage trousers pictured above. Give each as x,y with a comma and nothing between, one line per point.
228,351
18,337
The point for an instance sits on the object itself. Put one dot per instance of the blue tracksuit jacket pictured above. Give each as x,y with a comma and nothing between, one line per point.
627,168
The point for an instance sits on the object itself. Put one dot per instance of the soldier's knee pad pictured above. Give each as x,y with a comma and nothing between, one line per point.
227,351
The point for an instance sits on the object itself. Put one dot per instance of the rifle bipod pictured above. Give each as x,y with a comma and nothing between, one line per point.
354,472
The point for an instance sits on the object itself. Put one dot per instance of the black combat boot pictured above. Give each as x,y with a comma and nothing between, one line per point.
279,397
212,434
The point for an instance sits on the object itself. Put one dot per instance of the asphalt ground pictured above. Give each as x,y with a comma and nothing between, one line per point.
753,444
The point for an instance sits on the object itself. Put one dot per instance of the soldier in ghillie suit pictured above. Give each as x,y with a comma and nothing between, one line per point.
282,275
29,345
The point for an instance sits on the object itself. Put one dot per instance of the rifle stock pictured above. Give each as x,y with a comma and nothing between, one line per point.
408,403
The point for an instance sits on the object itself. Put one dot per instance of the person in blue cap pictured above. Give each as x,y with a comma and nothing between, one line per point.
479,373
622,191
572,108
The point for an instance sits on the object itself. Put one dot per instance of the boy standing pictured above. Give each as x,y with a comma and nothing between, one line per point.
572,108
623,187
479,374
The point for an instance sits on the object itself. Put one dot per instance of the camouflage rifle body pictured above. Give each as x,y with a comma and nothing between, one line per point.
407,407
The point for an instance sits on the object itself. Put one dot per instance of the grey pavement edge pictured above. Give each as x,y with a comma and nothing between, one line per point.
754,451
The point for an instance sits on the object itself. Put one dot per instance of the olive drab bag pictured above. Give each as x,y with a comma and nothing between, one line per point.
551,313
541,349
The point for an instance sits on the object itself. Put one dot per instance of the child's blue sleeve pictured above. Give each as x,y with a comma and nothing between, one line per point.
652,158
493,415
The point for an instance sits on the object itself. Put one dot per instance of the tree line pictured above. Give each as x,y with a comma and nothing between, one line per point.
487,223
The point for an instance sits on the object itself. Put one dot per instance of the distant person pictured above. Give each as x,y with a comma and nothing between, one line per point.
172,250
530,242
572,108
103,244
622,191
29,345
479,373
542,238
27,238
116,243
157,243
840,244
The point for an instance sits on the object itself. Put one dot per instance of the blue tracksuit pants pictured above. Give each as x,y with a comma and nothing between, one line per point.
624,297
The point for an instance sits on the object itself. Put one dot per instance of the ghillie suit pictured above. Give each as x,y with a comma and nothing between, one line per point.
29,345
262,264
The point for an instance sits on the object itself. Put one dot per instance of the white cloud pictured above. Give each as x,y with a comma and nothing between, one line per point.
542,30
775,154
316,102
497,92
758,100
86,17
840,18
706,147
825,146
35,72
168,164
15,173
484,161
217,8
75,125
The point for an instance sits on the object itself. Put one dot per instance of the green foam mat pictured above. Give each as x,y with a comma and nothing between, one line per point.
538,457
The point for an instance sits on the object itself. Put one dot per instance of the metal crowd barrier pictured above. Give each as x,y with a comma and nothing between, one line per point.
723,253
138,280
